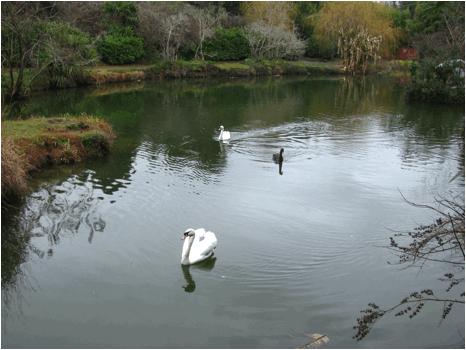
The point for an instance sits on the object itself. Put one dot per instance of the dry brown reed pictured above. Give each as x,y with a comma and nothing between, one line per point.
14,169
107,76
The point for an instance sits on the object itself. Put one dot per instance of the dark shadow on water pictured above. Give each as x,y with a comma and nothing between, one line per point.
206,265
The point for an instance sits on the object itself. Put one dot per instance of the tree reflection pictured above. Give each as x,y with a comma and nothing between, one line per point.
60,211
206,265
50,213
15,254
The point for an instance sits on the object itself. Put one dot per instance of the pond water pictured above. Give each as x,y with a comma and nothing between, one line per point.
91,258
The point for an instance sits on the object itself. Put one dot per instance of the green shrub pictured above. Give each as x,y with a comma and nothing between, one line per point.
96,143
228,45
328,51
312,47
435,82
120,46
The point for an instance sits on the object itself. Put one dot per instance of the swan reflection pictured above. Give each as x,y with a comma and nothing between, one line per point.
222,149
206,265
280,168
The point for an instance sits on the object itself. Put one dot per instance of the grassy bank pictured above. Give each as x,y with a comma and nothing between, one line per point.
30,144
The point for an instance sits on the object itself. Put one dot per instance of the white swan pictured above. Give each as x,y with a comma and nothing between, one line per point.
224,135
199,246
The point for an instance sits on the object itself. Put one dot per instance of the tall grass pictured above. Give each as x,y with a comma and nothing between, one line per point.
14,169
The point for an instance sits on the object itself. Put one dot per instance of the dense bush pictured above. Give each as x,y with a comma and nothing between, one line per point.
432,81
228,45
120,46
71,38
312,47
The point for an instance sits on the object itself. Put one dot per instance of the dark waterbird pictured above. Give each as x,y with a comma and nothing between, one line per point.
278,157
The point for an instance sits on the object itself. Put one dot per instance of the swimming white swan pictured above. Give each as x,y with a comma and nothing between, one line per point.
199,246
224,135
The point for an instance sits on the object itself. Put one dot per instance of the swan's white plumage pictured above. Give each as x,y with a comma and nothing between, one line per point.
224,135
198,245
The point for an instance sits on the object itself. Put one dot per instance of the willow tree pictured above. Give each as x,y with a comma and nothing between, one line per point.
271,13
353,18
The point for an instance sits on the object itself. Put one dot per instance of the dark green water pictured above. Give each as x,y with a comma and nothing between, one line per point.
91,259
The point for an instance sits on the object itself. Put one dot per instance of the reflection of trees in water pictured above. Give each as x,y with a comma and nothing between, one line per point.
423,132
429,133
359,95
51,213
60,211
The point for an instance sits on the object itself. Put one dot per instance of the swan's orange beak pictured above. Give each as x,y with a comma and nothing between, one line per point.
185,235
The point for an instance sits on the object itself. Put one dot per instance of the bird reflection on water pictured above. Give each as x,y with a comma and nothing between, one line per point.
206,265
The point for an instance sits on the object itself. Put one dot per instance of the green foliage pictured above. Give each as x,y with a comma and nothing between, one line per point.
124,13
425,20
302,15
228,45
435,82
55,55
31,34
72,51
312,47
120,46
328,51
69,37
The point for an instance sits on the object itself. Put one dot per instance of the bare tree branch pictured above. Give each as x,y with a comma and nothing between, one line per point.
445,235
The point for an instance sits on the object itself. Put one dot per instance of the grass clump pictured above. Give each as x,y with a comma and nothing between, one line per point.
96,143
33,143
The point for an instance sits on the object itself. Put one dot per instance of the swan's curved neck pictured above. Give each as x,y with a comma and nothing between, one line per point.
186,249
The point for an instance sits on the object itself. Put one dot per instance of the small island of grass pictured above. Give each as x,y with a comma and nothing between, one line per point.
30,144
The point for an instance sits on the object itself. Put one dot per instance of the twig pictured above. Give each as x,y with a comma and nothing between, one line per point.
454,231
